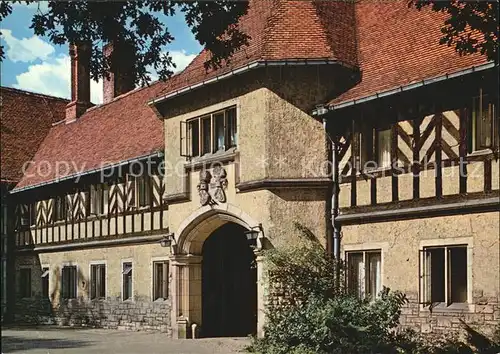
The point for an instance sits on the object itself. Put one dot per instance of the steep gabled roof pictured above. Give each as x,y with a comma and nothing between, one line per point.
26,118
123,129
284,30
399,45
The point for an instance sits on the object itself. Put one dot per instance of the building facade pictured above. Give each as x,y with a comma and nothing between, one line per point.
170,193
423,216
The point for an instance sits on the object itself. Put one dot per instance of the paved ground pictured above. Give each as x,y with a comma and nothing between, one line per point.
43,340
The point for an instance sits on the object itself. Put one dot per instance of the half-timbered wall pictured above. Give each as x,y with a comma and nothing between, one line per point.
123,216
419,146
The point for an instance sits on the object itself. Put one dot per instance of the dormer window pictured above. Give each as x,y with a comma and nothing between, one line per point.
209,134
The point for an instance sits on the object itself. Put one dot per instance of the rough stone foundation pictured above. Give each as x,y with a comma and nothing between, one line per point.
484,316
109,313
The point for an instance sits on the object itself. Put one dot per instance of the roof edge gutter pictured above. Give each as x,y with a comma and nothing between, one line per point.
408,87
88,172
253,65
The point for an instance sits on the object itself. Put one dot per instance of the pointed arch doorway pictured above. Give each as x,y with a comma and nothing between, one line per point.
229,284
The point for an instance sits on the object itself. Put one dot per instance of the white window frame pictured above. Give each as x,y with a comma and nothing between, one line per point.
123,261
153,261
381,247
448,242
69,264
92,263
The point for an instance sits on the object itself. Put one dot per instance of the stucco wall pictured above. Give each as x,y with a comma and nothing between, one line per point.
400,242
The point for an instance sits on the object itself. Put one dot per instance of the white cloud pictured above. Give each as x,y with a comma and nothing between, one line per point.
52,77
26,49
181,59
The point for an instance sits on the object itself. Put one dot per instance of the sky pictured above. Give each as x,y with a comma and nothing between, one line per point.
34,64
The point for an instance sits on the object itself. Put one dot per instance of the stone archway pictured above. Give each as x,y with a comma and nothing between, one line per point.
186,261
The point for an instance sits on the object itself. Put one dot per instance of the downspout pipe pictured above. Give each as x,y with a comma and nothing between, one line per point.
334,212
335,191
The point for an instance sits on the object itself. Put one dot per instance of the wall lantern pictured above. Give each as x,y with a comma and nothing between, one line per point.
321,109
167,240
253,235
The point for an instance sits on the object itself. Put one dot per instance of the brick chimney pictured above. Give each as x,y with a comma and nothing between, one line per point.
122,77
80,80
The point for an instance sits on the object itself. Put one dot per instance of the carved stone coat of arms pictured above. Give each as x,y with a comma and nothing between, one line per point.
211,187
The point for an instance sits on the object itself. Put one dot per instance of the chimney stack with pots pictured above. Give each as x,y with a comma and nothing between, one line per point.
80,80
121,79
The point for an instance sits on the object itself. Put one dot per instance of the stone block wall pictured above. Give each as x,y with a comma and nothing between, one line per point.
483,315
109,313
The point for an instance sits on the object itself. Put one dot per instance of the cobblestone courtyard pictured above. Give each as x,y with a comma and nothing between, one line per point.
38,340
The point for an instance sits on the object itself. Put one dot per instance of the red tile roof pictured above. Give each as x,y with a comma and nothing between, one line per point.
398,45
107,134
26,119
285,30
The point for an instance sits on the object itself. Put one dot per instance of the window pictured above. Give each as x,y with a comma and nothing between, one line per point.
97,281
25,282
32,209
365,146
23,218
219,135
60,208
45,282
99,199
364,277
209,134
444,275
231,129
483,123
194,135
127,281
143,190
374,144
160,280
383,147
69,284
206,135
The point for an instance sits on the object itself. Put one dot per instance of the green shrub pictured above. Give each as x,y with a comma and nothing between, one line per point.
342,324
